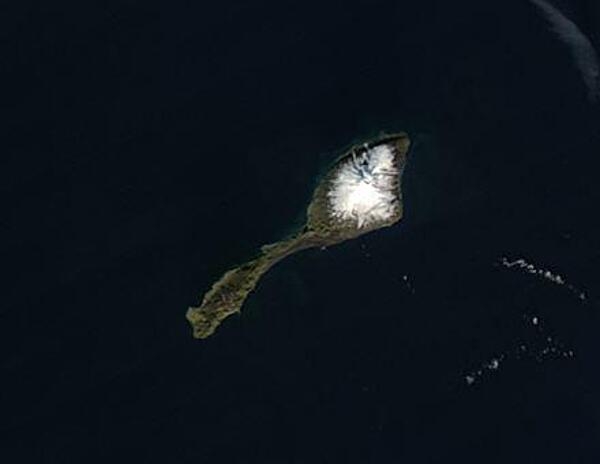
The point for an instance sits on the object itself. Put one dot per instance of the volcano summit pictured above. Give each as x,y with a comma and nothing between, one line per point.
360,193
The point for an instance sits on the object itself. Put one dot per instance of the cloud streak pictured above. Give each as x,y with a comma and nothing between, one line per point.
582,50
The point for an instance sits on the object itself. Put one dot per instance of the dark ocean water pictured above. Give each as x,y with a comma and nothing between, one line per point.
149,147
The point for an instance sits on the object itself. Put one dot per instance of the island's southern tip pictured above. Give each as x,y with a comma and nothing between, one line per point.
360,193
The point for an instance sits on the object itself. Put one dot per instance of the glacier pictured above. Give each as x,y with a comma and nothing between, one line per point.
364,190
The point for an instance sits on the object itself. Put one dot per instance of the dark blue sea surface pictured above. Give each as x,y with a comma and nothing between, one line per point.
149,147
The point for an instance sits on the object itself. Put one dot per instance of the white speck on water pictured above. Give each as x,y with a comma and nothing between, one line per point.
546,274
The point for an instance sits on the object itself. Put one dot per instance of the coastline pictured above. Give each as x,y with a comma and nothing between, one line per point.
227,296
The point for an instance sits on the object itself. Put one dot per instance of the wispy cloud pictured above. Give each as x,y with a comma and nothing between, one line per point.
582,49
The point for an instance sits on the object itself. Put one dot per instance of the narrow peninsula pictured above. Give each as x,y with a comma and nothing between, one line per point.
360,193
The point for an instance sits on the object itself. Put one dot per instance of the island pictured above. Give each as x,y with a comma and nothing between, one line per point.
361,192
